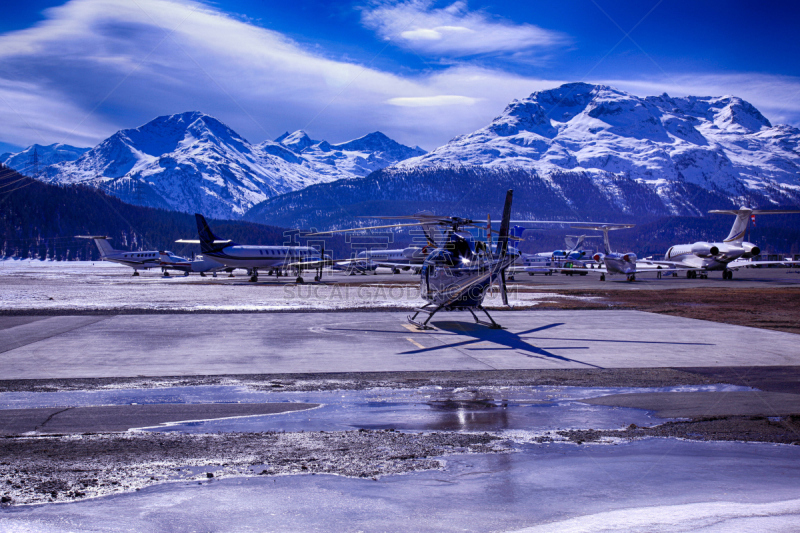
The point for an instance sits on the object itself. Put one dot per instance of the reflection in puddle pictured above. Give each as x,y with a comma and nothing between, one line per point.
533,409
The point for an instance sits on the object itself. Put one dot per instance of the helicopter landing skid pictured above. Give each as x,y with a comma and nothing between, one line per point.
423,309
426,309
491,324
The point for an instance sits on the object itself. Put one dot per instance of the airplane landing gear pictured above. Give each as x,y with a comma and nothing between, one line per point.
631,277
166,274
214,274
395,271
316,278
186,274
254,277
602,277
727,274
203,274
135,272
299,279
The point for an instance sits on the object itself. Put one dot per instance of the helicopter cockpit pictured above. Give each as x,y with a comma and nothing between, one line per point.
460,250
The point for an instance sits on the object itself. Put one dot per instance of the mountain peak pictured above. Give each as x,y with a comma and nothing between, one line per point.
297,141
379,142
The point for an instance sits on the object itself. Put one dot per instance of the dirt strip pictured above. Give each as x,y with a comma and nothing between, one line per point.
66,468
780,430
769,378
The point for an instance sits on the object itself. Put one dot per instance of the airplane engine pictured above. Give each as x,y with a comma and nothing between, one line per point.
704,249
750,250
629,258
598,258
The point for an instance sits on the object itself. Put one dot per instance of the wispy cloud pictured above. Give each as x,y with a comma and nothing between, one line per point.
95,66
432,101
454,31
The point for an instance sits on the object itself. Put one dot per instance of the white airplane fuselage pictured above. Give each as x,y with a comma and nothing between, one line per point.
616,263
136,260
249,256
710,256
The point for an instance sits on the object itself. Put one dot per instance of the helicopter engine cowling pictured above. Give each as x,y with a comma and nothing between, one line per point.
704,249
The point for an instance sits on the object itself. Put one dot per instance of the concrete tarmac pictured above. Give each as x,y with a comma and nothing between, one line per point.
277,343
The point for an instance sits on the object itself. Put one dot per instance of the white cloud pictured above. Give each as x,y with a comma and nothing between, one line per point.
432,101
455,30
96,66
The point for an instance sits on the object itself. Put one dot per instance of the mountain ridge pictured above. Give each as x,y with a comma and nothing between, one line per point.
192,162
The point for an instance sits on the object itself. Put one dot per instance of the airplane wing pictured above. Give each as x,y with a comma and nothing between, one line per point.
736,265
665,266
327,262
670,264
598,270
197,241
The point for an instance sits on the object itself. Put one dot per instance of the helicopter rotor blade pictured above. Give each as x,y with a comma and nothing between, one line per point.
367,227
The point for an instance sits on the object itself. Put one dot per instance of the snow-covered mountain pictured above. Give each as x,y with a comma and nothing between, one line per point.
192,162
720,144
576,152
46,155
358,157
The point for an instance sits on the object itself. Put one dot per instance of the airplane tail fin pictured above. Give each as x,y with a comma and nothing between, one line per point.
102,244
207,236
743,218
605,228
573,245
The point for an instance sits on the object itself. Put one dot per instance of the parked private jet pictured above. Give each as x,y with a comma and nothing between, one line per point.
613,262
702,257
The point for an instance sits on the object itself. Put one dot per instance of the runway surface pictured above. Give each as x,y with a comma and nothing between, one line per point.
276,343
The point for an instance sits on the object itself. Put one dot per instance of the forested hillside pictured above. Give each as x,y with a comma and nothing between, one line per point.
38,220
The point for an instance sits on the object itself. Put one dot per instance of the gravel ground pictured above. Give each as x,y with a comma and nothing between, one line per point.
612,377
46,469
781,430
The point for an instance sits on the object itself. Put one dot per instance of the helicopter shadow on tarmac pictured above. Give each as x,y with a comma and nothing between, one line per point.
506,340
502,340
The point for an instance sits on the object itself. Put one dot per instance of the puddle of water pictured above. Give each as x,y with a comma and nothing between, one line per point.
533,409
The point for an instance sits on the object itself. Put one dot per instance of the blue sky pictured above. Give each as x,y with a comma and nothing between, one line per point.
422,72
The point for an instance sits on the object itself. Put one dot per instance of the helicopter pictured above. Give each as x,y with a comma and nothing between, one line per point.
457,273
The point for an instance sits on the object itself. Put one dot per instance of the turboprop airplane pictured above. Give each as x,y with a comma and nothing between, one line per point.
252,258
702,257
201,264
142,260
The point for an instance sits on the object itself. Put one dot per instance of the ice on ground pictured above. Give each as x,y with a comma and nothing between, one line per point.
704,517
